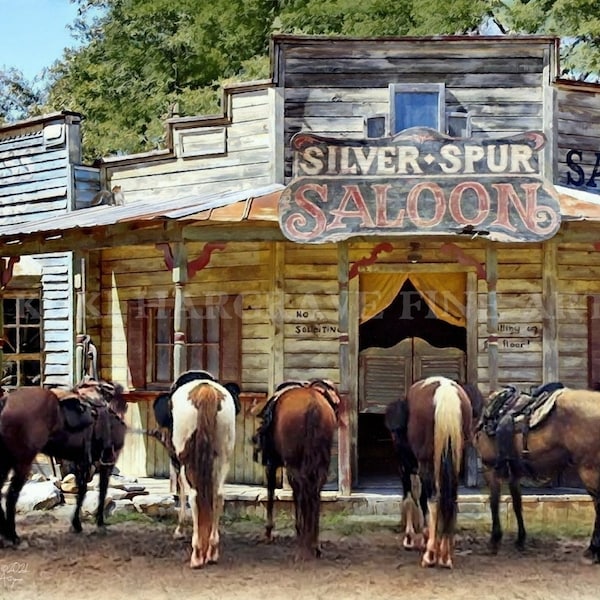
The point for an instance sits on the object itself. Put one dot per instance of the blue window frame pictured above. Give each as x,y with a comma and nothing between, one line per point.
417,105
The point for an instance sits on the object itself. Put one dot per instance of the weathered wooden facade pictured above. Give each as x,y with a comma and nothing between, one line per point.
466,249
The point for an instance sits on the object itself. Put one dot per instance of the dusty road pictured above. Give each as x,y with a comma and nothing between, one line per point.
140,559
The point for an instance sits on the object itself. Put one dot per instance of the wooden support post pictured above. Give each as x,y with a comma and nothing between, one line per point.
179,316
80,312
344,441
492,315
550,358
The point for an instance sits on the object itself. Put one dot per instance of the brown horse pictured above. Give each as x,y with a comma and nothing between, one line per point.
568,436
438,425
82,426
296,432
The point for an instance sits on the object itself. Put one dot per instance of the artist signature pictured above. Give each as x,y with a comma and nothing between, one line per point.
12,574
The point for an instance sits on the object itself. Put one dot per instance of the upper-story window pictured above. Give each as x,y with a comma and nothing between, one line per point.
417,105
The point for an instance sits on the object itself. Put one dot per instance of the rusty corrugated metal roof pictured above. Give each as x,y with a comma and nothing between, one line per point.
254,204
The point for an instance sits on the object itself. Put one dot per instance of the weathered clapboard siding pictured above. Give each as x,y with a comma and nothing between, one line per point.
135,272
577,279
332,86
57,317
209,157
578,132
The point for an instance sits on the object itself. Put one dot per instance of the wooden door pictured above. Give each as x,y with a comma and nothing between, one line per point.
385,374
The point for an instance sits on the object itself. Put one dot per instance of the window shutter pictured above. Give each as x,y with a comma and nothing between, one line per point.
136,343
231,340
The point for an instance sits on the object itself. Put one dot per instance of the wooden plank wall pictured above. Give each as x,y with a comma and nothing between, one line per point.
35,183
57,302
241,159
35,171
578,277
139,272
331,87
578,129
520,312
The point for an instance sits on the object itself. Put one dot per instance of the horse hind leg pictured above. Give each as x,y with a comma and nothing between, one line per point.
20,473
271,474
430,556
104,475
514,486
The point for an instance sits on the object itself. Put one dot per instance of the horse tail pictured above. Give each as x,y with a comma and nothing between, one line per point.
207,400
318,445
448,448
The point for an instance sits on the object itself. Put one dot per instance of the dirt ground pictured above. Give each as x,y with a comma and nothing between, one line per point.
138,558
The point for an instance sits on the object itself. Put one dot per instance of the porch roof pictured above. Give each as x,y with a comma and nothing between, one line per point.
258,204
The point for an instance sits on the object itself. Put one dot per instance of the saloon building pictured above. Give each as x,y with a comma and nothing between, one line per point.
378,211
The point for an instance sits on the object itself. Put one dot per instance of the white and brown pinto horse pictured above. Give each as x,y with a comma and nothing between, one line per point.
438,426
203,413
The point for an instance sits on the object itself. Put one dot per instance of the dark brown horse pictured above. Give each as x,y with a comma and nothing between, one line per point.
438,425
297,429
83,427
568,436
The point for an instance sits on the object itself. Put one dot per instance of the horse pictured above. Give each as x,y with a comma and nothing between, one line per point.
203,437
83,426
163,414
438,425
568,435
297,427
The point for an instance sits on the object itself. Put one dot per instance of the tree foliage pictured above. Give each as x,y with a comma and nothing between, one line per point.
139,61
18,97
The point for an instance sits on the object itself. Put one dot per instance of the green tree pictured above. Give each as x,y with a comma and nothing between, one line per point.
18,97
139,59
577,22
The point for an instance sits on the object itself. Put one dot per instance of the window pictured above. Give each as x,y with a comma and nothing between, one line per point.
212,330
417,105
22,359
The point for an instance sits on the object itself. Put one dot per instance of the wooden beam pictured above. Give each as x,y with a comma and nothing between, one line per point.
550,366
344,435
492,314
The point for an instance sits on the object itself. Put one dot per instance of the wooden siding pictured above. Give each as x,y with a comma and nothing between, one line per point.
208,159
578,128
58,317
139,272
331,87
578,278
35,169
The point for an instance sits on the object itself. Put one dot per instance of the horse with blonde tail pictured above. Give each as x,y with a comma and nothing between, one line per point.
439,424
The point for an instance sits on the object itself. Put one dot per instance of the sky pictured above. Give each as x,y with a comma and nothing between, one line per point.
33,33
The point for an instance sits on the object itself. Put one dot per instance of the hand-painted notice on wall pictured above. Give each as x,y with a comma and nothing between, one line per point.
312,327
418,182
516,337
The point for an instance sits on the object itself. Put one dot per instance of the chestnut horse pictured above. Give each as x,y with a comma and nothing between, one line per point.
438,425
203,413
568,436
83,426
298,424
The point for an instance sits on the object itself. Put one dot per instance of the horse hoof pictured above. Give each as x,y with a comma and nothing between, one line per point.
589,557
428,559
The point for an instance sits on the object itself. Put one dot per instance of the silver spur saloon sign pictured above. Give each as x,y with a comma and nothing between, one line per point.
418,182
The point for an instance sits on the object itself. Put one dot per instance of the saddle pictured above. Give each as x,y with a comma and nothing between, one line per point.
526,411
510,412
262,439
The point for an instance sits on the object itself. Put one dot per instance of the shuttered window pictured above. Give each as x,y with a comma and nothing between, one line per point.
212,334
